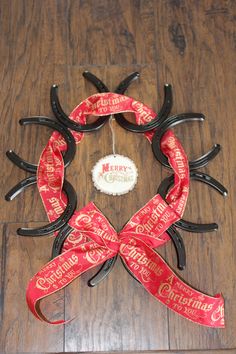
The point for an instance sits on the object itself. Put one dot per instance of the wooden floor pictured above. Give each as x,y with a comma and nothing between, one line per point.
188,43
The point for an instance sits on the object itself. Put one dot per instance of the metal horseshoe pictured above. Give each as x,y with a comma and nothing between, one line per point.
101,87
71,147
20,187
171,122
59,222
69,123
156,122
55,225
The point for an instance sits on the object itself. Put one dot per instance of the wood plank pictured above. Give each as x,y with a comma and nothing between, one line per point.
111,32
196,48
29,92
34,32
187,43
224,351
19,330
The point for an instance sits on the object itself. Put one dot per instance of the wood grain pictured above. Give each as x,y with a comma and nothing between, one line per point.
111,32
208,56
190,44
19,332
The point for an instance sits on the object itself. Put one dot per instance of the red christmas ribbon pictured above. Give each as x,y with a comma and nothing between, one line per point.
94,240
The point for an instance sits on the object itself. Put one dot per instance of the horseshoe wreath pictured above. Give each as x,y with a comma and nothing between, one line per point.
85,238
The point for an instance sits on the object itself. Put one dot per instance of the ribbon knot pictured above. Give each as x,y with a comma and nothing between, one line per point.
135,246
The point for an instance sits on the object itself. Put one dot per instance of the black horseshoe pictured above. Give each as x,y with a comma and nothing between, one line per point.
156,122
179,247
60,239
69,123
171,122
19,187
201,177
124,84
103,272
71,147
100,86
58,223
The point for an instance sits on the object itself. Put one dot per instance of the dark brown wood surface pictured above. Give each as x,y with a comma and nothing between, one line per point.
190,44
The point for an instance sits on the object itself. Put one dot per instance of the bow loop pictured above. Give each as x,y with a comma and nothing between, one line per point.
150,222
93,224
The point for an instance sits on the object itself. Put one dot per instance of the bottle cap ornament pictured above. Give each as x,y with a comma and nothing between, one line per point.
114,175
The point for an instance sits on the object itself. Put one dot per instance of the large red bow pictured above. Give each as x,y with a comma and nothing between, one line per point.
135,245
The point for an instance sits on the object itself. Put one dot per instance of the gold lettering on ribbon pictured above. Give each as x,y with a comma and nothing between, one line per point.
165,290
44,283
49,169
157,213
144,114
126,247
75,238
181,204
218,313
55,204
171,142
107,236
112,103
82,218
44,188
180,162
141,259
94,256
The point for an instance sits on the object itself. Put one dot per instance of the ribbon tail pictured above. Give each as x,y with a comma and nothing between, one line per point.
60,272
162,283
